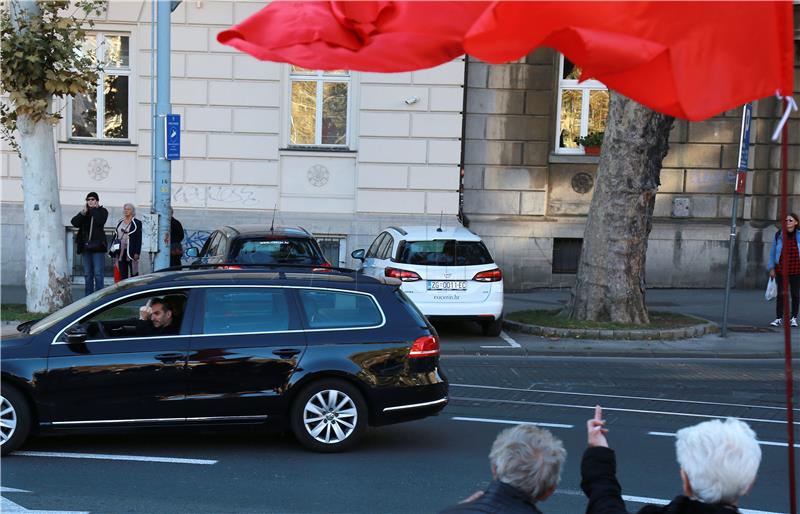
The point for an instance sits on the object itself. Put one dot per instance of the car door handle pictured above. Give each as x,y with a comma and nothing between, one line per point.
169,358
286,353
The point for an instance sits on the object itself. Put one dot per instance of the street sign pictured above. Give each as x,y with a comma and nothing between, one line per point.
744,142
172,135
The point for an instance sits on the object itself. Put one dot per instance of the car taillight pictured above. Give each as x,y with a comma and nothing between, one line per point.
404,275
230,267
425,346
493,275
325,266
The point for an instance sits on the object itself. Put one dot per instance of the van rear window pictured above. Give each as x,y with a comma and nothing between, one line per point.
444,252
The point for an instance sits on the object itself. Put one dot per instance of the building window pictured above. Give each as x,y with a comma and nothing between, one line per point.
566,255
319,102
103,113
582,107
334,249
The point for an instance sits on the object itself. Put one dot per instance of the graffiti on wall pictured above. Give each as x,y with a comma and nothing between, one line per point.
193,239
241,196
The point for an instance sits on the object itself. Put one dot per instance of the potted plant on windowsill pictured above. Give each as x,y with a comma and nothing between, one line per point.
591,142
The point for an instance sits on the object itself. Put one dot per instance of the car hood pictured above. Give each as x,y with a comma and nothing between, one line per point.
15,339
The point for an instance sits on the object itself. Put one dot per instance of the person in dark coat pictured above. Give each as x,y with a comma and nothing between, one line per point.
128,242
91,241
718,459
176,236
526,464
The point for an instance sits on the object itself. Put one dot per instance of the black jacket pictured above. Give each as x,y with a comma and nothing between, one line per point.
134,238
599,483
499,498
91,223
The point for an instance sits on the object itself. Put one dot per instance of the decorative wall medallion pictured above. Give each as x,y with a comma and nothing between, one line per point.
99,169
318,175
582,182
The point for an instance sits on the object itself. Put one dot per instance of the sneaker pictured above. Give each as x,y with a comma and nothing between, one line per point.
778,322
793,322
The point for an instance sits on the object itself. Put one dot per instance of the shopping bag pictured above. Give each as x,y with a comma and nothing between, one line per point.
117,274
772,289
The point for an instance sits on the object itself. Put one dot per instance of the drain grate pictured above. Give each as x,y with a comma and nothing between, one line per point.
749,329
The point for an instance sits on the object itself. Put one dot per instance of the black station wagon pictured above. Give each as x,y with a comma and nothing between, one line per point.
257,244
326,353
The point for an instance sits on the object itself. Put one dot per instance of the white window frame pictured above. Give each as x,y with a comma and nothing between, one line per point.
100,91
320,77
585,87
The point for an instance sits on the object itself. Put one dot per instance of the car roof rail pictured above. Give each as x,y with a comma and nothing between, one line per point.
400,230
241,265
304,230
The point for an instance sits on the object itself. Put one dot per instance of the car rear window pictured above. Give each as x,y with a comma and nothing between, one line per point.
339,309
444,252
271,251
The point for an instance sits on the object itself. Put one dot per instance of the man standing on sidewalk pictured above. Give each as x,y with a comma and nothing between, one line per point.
91,241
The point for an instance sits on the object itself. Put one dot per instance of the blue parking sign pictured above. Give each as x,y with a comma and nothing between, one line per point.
172,134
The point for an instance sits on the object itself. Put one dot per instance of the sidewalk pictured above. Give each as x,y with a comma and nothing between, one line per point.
749,333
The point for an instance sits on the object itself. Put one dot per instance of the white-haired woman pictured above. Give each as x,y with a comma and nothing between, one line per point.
129,238
526,464
718,459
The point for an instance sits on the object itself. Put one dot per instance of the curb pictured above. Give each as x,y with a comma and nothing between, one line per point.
617,334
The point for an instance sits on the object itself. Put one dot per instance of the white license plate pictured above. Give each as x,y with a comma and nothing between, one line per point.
447,285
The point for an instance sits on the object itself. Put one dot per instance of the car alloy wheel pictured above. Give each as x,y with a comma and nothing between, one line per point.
15,419
329,415
8,420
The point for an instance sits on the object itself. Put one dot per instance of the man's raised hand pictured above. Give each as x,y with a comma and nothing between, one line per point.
595,429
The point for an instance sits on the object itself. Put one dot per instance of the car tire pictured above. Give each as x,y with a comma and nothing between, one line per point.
493,327
15,419
329,415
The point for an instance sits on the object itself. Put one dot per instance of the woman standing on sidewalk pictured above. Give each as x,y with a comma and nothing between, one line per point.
129,237
786,261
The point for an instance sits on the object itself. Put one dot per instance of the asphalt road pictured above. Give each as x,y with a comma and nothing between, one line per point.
426,465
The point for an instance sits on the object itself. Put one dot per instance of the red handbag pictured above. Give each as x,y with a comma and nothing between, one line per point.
117,274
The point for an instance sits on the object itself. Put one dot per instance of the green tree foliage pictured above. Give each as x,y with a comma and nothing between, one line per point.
43,57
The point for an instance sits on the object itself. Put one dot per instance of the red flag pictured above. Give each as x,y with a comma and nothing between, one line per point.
692,60
380,36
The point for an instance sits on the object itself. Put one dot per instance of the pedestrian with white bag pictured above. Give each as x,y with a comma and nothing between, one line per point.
785,259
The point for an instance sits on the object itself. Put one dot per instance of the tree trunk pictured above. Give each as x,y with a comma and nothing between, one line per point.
610,284
47,282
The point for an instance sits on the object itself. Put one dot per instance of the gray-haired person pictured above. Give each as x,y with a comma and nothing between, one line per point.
127,244
526,464
718,460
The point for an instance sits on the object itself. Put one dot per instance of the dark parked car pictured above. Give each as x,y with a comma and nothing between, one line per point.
257,244
324,353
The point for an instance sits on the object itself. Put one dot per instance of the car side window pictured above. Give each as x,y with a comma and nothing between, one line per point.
373,248
233,310
211,245
339,309
221,247
386,247
147,315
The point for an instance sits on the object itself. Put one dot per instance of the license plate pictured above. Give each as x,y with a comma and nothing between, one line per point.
447,285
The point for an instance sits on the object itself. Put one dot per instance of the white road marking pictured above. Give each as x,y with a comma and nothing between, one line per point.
102,456
763,443
507,338
511,422
647,398
618,409
7,505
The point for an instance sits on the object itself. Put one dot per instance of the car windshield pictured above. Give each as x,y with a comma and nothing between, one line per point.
271,251
444,252
43,324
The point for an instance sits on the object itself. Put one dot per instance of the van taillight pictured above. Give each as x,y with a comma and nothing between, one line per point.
425,346
493,275
404,275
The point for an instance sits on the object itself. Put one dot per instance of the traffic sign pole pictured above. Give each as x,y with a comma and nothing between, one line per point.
739,188
163,167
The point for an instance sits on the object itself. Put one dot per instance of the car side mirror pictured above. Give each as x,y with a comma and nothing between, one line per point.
358,254
192,251
77,334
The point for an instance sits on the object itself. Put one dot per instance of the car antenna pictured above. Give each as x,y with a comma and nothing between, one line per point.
272,226
441,215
